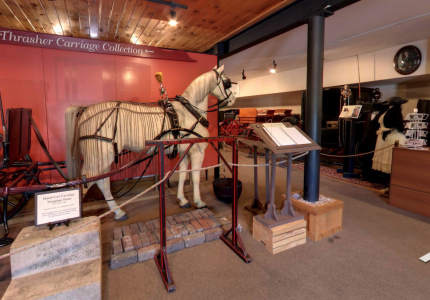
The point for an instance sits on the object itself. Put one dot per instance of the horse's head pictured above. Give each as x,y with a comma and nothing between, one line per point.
222,88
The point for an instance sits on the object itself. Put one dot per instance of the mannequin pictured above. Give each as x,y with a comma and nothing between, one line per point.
390,130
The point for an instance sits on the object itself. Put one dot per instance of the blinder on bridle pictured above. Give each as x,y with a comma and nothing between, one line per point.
226,84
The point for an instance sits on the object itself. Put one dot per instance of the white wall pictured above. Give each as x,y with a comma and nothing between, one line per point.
373,66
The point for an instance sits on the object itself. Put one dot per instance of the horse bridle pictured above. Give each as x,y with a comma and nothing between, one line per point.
226,83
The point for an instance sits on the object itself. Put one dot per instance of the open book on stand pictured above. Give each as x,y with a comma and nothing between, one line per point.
283,135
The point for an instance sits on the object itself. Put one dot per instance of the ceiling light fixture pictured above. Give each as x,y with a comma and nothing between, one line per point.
173,20
243,75
273,69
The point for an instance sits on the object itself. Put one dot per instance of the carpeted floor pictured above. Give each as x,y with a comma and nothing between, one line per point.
374,257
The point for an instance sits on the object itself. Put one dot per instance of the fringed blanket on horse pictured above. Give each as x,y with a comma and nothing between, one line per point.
96,134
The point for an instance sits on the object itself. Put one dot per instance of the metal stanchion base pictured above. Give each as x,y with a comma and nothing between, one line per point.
168,282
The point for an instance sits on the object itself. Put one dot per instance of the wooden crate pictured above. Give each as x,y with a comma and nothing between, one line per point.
321,221
280,238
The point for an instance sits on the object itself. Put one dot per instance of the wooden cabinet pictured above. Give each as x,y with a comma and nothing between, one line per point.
410,180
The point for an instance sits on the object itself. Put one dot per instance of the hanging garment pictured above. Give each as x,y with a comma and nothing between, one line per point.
390,131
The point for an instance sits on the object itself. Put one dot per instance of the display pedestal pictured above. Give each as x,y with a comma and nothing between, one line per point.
323,220
279,238
68,267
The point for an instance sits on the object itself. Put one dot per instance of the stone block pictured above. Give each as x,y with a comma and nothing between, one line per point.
226,228
183,217
175,231
142,227
134,229
216,221
213,234
127,243
149,225
153,237
210,222
191,229
208,212
144,239
196,214
204,224
182,229
171,220
123,259
190,216
202,213
137,243
126,230
224,221
157,232
169,235
178,219
117,233
148,252
75,281
175,245
156,223
167,223
194,239
117,246
196,225
78,246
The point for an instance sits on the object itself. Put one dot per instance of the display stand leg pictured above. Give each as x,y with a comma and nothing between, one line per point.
4,241
267,178
236,243
271,209
256,207
161,259
288,206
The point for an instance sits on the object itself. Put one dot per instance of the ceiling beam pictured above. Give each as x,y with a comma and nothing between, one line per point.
292,16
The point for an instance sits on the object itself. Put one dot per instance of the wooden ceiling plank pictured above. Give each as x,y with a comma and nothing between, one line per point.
51,13
10,15
106,13
31,16
144,37
181,14
63,16
5,22
216,17
73,14
228,18
41,15
252,18
117,10
196,16
193,31
134,20
94,17
130,6
84,18
184,23
143,22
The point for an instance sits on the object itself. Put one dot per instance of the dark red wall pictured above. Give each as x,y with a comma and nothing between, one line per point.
48,81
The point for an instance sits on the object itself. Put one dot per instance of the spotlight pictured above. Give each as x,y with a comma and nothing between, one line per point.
273,69
243,75
173,21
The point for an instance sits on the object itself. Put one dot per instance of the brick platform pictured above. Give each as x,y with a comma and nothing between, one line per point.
140,241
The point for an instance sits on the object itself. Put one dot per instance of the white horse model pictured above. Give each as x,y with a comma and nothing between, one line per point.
129,125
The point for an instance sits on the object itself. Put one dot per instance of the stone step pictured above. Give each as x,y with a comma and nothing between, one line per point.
77,281
76,247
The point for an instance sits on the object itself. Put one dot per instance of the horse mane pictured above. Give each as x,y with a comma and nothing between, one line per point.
196,92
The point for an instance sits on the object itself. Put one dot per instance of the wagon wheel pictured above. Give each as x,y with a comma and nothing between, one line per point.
231,127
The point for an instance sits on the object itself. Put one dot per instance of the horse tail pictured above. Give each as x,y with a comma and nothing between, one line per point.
73,154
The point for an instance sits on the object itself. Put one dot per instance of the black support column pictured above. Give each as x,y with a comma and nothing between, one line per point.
314,84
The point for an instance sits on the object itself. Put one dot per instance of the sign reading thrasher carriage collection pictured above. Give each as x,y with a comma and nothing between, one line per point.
59,206
50,41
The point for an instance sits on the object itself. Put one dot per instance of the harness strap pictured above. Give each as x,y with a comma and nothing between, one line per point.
184,101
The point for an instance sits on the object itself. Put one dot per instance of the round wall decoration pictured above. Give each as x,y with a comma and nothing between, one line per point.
407,60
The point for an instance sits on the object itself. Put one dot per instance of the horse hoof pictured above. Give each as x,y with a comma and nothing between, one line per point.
187,205
122,219
205,206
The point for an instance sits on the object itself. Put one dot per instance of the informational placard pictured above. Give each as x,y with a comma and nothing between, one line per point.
350,112
58,206
283,135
